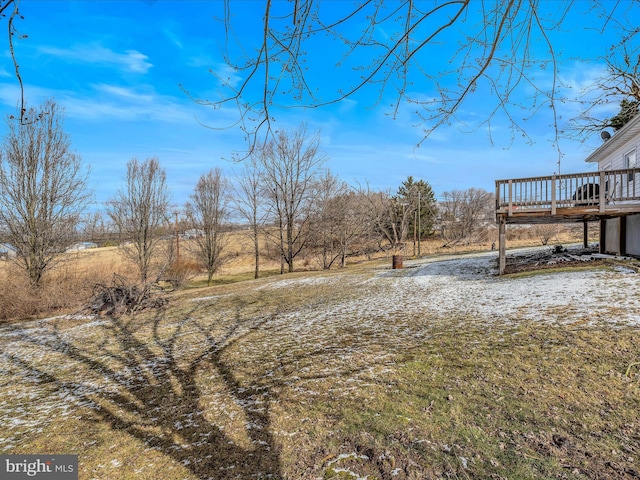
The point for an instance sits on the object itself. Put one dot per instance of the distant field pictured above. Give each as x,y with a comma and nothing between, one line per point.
440,370
108,260
70,286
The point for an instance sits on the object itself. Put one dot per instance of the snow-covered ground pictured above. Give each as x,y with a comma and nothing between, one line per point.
359,322
467,286
397,307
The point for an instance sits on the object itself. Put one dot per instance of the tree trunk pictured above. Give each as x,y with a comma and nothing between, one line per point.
257,255
290,244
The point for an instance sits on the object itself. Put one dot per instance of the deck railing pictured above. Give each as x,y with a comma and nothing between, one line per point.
571,190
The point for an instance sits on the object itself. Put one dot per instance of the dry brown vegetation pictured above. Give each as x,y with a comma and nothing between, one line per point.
70,287
353,373
62,290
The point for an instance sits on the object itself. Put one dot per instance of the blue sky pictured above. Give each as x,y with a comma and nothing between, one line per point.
117,68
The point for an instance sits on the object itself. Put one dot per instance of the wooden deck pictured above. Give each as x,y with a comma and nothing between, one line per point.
577,197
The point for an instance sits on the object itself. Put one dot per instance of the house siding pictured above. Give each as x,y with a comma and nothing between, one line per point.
621,238
612,236
633,236
615,160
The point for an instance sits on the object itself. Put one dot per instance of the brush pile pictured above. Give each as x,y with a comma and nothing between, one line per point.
552,257
120,298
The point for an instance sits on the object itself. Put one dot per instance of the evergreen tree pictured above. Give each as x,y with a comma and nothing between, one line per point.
628,110
425,204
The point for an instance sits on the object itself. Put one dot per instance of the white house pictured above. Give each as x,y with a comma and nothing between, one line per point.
621,234
81,246
7,251
610,196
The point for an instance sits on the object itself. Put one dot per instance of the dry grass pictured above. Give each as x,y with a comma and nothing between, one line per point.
62,290
70,286
327,375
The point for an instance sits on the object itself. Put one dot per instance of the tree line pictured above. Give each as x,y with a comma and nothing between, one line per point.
282,193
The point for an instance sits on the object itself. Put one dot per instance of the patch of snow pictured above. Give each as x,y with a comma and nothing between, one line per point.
293,282
344,456
211,297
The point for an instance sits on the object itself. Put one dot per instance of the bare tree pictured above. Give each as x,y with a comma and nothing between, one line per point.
139,211
360,233
248,202
546,231
290,165
94,227
207,212
43,189
364,229
465,215
330,213
354,227
390,216
619,84
454,49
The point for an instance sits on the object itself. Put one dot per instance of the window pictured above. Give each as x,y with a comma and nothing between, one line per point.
630,161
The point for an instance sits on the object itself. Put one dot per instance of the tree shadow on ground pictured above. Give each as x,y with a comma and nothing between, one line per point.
139,377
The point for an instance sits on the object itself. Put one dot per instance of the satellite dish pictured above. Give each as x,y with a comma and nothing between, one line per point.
605,135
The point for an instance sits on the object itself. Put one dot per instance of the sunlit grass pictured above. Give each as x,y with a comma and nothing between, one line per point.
295,377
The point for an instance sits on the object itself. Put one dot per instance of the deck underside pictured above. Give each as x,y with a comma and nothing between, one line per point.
579,214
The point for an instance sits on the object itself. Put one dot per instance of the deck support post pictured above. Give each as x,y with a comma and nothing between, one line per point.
623,235
603,235
502,238
585,235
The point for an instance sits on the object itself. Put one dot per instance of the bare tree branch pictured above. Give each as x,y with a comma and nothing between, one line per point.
42,190
139,211
619,84
429,55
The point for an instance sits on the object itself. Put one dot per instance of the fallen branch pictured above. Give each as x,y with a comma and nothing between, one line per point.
121,298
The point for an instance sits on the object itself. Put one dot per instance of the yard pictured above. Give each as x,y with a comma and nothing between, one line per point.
440,370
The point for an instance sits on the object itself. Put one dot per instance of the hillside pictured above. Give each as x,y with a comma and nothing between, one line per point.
438,370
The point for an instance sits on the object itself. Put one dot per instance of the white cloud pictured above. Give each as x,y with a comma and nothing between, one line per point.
122,103
10,94
204,60
126,94
582,77
108,103
130,60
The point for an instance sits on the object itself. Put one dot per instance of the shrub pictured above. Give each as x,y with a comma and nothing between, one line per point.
61,291
179,273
